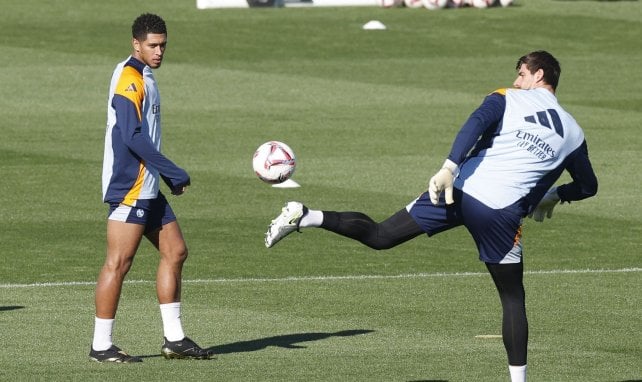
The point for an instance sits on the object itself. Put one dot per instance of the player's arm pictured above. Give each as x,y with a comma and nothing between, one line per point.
488,114
141,144
584,185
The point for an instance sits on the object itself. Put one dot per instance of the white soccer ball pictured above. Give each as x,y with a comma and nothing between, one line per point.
413,3
482,3
505,3
435,4
274,162
390,3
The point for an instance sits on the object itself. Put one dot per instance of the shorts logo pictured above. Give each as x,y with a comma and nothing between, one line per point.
140,213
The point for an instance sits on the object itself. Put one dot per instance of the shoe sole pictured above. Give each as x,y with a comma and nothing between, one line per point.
168,354
113,360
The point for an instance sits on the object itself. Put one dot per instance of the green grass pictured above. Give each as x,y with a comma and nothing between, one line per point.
420,327
371,115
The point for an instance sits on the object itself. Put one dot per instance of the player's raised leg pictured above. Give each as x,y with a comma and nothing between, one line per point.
391,232
397,229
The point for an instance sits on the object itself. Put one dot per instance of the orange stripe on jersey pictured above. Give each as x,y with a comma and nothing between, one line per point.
501,91
134,192
518,236
131,86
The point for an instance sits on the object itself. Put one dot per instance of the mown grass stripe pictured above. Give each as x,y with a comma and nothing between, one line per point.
327,278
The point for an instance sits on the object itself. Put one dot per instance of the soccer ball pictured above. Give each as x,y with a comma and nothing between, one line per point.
413,3
482,3
389,3
274,162
435,4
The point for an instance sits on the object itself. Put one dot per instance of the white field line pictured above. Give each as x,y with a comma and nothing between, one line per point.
328,278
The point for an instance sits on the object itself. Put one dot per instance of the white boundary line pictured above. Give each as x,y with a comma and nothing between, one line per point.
326,278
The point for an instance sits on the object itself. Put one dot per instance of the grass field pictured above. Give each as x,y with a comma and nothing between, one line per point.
371,115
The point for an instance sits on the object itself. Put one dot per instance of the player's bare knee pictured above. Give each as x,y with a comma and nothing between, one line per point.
183,254
118,265
176,255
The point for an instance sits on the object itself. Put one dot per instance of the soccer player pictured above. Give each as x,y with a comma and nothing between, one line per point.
132,168
501,168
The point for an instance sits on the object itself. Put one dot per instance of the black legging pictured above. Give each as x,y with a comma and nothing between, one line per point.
391,232
508,280
401,227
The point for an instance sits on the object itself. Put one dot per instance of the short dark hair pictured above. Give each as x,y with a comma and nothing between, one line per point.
148,23
541,59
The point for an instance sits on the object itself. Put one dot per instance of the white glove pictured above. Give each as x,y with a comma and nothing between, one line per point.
443,181
545,206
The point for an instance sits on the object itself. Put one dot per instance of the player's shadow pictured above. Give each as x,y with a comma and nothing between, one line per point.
286,341
10,307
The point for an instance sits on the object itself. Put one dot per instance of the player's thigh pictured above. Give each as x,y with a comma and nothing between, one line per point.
123,239
497,232
163,230
432,218
169,240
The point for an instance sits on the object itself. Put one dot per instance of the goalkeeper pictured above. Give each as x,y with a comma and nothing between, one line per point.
502,167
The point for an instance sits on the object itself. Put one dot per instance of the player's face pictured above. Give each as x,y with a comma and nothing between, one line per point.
151,50
527,80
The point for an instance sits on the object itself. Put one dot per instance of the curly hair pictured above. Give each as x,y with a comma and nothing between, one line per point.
148,23
541,59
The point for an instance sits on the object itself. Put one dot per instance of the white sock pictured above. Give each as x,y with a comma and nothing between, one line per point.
171,316
313,218
103,328
517,373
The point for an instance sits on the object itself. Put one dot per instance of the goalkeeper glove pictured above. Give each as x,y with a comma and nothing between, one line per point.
443,181
545,206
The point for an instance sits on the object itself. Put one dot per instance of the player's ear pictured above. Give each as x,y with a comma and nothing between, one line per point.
539,75
136,44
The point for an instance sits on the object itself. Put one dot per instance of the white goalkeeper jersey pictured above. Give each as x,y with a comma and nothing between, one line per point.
526,152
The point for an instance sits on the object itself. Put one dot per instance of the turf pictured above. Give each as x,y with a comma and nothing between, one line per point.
370,115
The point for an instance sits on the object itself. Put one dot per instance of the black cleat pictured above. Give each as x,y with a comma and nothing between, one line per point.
184,348
113,354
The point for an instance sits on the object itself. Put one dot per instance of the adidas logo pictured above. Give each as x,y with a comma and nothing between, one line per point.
131,88
543,119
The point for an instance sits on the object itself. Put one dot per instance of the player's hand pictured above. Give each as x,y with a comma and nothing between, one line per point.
179,190
177,184
442,181
545,207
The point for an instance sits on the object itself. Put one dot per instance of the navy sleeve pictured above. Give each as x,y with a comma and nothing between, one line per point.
584,182
487,115
141,144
